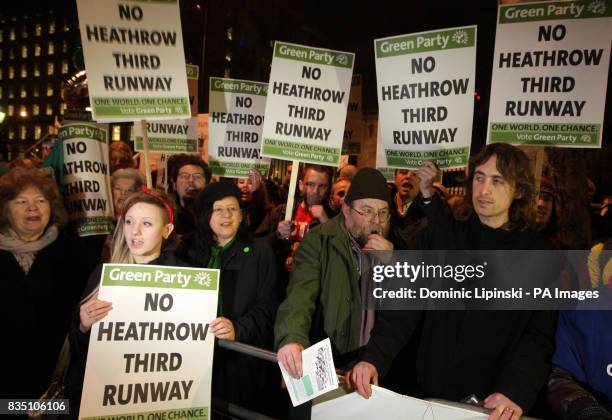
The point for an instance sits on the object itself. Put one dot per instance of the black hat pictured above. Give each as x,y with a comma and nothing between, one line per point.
368,183
217,191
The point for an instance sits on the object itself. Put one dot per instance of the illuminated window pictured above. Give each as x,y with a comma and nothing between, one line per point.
116,133
49,109
50,129
10,110
37,132
230,33
11,72
12,54
22,132
36,50
62,108
132,133
50,48
64,66
64,46
35,91
38,29
66,28
36,70
23,93
49,89
23,111
12,34
1,35
36,109
0,92
11,135
50,68
24,51
11,94
24,70
51,27
24,31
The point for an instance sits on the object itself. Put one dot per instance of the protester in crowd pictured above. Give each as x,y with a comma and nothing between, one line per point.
248,296
120,156
273,192
188,175
338,193
329,277
348,171
124,183
44,267
254,197
546,215
580,384
501,356
545,211
143,236
309,211
406,212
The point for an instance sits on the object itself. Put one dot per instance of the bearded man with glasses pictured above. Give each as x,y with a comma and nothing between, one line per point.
329,277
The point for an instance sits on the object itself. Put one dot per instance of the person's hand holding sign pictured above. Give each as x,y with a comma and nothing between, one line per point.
223,329
92,311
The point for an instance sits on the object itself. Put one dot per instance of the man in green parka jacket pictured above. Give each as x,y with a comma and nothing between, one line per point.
324,296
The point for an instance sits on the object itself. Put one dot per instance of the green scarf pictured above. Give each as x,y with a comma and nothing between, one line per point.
215,262
215,254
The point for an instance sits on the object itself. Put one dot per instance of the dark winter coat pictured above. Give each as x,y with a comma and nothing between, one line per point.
37,308
471,352
249,297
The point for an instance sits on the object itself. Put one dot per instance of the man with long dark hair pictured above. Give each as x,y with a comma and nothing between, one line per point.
501,356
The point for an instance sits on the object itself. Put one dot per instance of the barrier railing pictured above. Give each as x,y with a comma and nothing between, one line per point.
233,410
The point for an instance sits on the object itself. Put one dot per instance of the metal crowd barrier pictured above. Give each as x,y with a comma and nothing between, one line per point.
233,410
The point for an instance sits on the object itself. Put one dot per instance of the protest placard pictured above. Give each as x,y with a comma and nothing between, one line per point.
86,181
381,160
353,131
425,96
134,59
193,75
203,136
306,104
175,136
151,356
236,113
550,69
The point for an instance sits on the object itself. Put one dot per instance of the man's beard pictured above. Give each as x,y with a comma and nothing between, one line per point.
361,235
188,202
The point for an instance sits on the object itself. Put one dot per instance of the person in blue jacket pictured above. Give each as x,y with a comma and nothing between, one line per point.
580,384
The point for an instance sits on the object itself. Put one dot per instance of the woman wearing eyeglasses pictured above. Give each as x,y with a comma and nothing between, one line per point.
248,291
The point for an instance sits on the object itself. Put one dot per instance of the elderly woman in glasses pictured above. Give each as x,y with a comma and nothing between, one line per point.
248,292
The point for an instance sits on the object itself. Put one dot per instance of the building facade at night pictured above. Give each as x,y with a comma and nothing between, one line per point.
36,51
